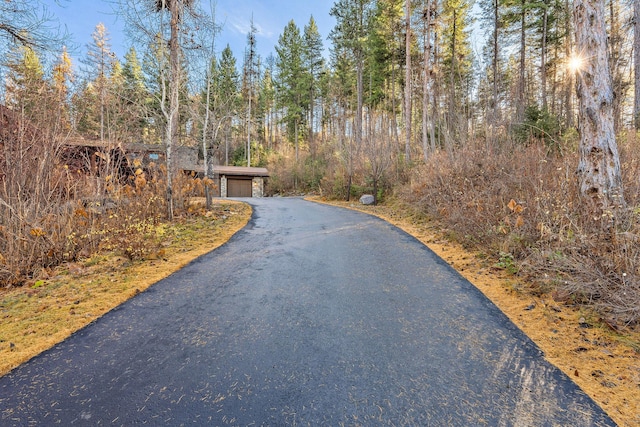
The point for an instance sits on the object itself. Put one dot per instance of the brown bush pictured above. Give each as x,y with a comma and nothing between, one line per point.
521,206
51,213
288,176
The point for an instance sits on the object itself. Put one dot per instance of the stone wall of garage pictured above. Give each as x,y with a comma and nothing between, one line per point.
257,187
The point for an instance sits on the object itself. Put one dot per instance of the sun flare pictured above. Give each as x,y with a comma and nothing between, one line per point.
576,63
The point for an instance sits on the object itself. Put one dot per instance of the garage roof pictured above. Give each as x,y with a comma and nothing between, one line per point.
240,171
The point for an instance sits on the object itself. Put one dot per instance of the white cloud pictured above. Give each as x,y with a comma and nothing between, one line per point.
242,26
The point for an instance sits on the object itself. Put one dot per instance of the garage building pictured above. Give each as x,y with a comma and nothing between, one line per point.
236,181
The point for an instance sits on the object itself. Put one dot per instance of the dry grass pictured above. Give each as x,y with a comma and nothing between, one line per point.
605,364
34,318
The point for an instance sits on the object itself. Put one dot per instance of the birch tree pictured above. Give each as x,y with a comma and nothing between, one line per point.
169,28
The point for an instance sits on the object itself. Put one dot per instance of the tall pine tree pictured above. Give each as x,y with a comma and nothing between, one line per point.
292,81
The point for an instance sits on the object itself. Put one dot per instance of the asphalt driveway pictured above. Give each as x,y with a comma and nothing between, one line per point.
311,315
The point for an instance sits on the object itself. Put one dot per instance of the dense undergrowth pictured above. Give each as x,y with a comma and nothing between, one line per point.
521,206
77,215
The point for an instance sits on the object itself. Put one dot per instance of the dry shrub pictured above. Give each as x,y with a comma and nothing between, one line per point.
51,214
521,206
495,198
288,176
283,171
32,198
60,202
190,186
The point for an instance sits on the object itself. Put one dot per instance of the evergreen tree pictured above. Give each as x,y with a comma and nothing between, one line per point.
226,95
382,50
292,85
457,61
349,36
313,63
26,87
62,77
408,83
99,62
516,15
134,94
492,22
267,101
251,71
385,52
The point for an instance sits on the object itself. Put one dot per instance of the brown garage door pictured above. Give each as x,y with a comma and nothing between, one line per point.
237,187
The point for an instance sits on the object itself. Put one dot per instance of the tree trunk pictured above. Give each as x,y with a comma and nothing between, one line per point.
599,167
617,70
407,83
520,104
249,129
226,144
360,90
312,147
174,98
543,56
426,82
396,137
554,79
295,132
205,151
636,63
425,90
568,93
452,119
435,89
494,65
375,191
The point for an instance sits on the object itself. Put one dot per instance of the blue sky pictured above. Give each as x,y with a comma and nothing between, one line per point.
80,18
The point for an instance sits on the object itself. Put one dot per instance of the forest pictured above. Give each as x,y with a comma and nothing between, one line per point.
523,144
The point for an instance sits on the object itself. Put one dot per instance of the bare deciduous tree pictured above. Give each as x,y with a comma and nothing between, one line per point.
149,29
27,24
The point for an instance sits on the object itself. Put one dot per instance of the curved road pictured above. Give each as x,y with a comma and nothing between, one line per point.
311,315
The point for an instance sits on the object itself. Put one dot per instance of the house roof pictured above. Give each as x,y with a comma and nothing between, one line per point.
184,157
240,170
